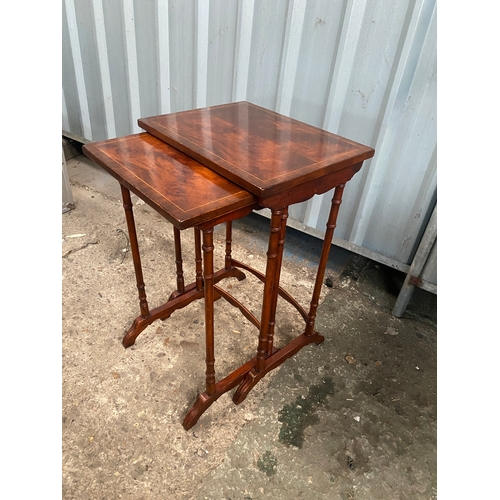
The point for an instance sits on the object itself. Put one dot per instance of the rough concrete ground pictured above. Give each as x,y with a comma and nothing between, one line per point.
353,418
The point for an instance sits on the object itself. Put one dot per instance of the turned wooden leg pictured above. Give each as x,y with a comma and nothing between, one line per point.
134,246
208,283
327,243
270,299
228,262
178,260
229,236
198,259
276,281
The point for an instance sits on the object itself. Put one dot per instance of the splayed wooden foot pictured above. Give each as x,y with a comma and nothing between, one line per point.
204,400
273,361
177,300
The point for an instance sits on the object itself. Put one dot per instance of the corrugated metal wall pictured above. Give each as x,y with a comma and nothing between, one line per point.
362,69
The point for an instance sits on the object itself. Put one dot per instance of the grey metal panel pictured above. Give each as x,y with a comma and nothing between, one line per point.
147,49
182,54
115,40
297,212
70,92
370,38
90,62
221,47
409,183
425,259
430,270
269,24
365,70
320,38
67,195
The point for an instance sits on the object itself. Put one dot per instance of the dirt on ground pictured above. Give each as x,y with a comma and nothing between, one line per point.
352,418
357,419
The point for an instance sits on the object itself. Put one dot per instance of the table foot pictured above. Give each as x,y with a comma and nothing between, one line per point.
163,312
133,332
272,362
204,400
237,273
177,300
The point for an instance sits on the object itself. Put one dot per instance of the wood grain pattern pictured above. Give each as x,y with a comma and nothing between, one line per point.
260,150
181,189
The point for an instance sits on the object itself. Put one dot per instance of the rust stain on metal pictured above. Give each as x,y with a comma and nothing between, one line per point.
415,281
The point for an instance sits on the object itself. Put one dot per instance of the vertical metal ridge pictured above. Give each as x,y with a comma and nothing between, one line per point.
399,89
335,57
342,70
242,49
65,119
290,57
358,214
132,71
351,31
202,21
102,51
427,193
78,67
163,29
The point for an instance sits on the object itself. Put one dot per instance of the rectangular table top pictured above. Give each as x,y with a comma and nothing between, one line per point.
177,186
264,152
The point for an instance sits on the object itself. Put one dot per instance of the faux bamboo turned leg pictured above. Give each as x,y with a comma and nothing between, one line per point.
134,246
271,287
228,263
198,260
208,265
276,282
178,260
229,236
327,243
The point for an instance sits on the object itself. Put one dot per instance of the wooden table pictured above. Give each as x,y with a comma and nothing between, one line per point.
203,167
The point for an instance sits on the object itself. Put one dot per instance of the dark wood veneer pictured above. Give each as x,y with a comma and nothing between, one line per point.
262,151
184,191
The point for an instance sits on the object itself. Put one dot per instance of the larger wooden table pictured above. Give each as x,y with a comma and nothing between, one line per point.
203,167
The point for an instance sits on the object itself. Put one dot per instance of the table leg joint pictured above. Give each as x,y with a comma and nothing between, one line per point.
273,361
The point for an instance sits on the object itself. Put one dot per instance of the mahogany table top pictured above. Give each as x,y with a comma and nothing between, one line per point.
181,189
264,152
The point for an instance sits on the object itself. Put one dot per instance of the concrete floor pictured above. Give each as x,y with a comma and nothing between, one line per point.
353,418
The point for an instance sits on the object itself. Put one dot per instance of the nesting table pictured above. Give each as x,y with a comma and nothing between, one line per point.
203,167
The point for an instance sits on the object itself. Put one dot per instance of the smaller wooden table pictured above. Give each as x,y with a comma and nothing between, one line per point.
187,194
238,157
